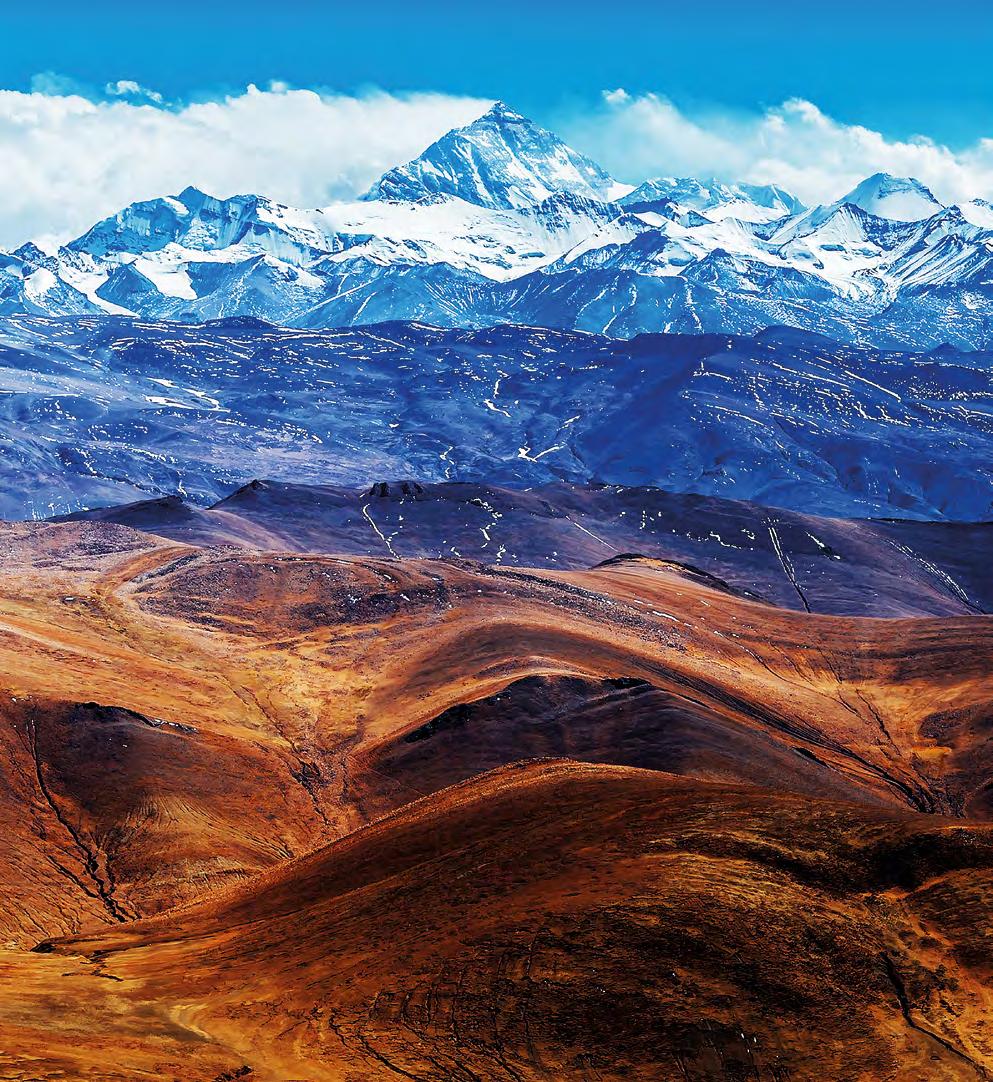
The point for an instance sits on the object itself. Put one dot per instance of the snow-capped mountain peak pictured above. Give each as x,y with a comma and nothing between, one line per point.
201,222
500,112
501,160
901,199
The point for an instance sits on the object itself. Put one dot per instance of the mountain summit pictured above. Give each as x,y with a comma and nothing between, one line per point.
901,199
501,161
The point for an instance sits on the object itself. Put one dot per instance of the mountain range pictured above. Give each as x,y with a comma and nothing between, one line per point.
107,410
502,222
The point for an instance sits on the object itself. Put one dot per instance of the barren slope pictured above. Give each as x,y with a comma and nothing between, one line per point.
767,852
565,921
176,717
846,567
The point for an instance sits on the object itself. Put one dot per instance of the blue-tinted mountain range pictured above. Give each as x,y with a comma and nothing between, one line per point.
105,410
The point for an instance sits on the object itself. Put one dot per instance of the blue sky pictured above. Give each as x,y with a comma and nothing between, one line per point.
902,68
107,103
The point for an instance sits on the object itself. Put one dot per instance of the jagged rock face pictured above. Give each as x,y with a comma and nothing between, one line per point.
108,411
502,222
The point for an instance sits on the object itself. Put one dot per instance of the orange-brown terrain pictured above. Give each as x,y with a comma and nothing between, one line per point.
288,816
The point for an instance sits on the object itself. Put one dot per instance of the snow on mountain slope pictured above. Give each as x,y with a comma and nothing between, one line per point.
900,199
500,222
198,222
500,160
978,212
33,288
498,244
715,200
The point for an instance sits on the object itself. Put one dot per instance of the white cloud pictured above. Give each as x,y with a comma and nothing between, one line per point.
128,88
619,96
794,144
69,160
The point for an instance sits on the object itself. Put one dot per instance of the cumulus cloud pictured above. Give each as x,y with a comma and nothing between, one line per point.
795,144
128,88
71,158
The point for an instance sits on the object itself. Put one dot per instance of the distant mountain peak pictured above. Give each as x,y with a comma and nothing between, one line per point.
500,110
901,199
502,160
978,212
888,182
